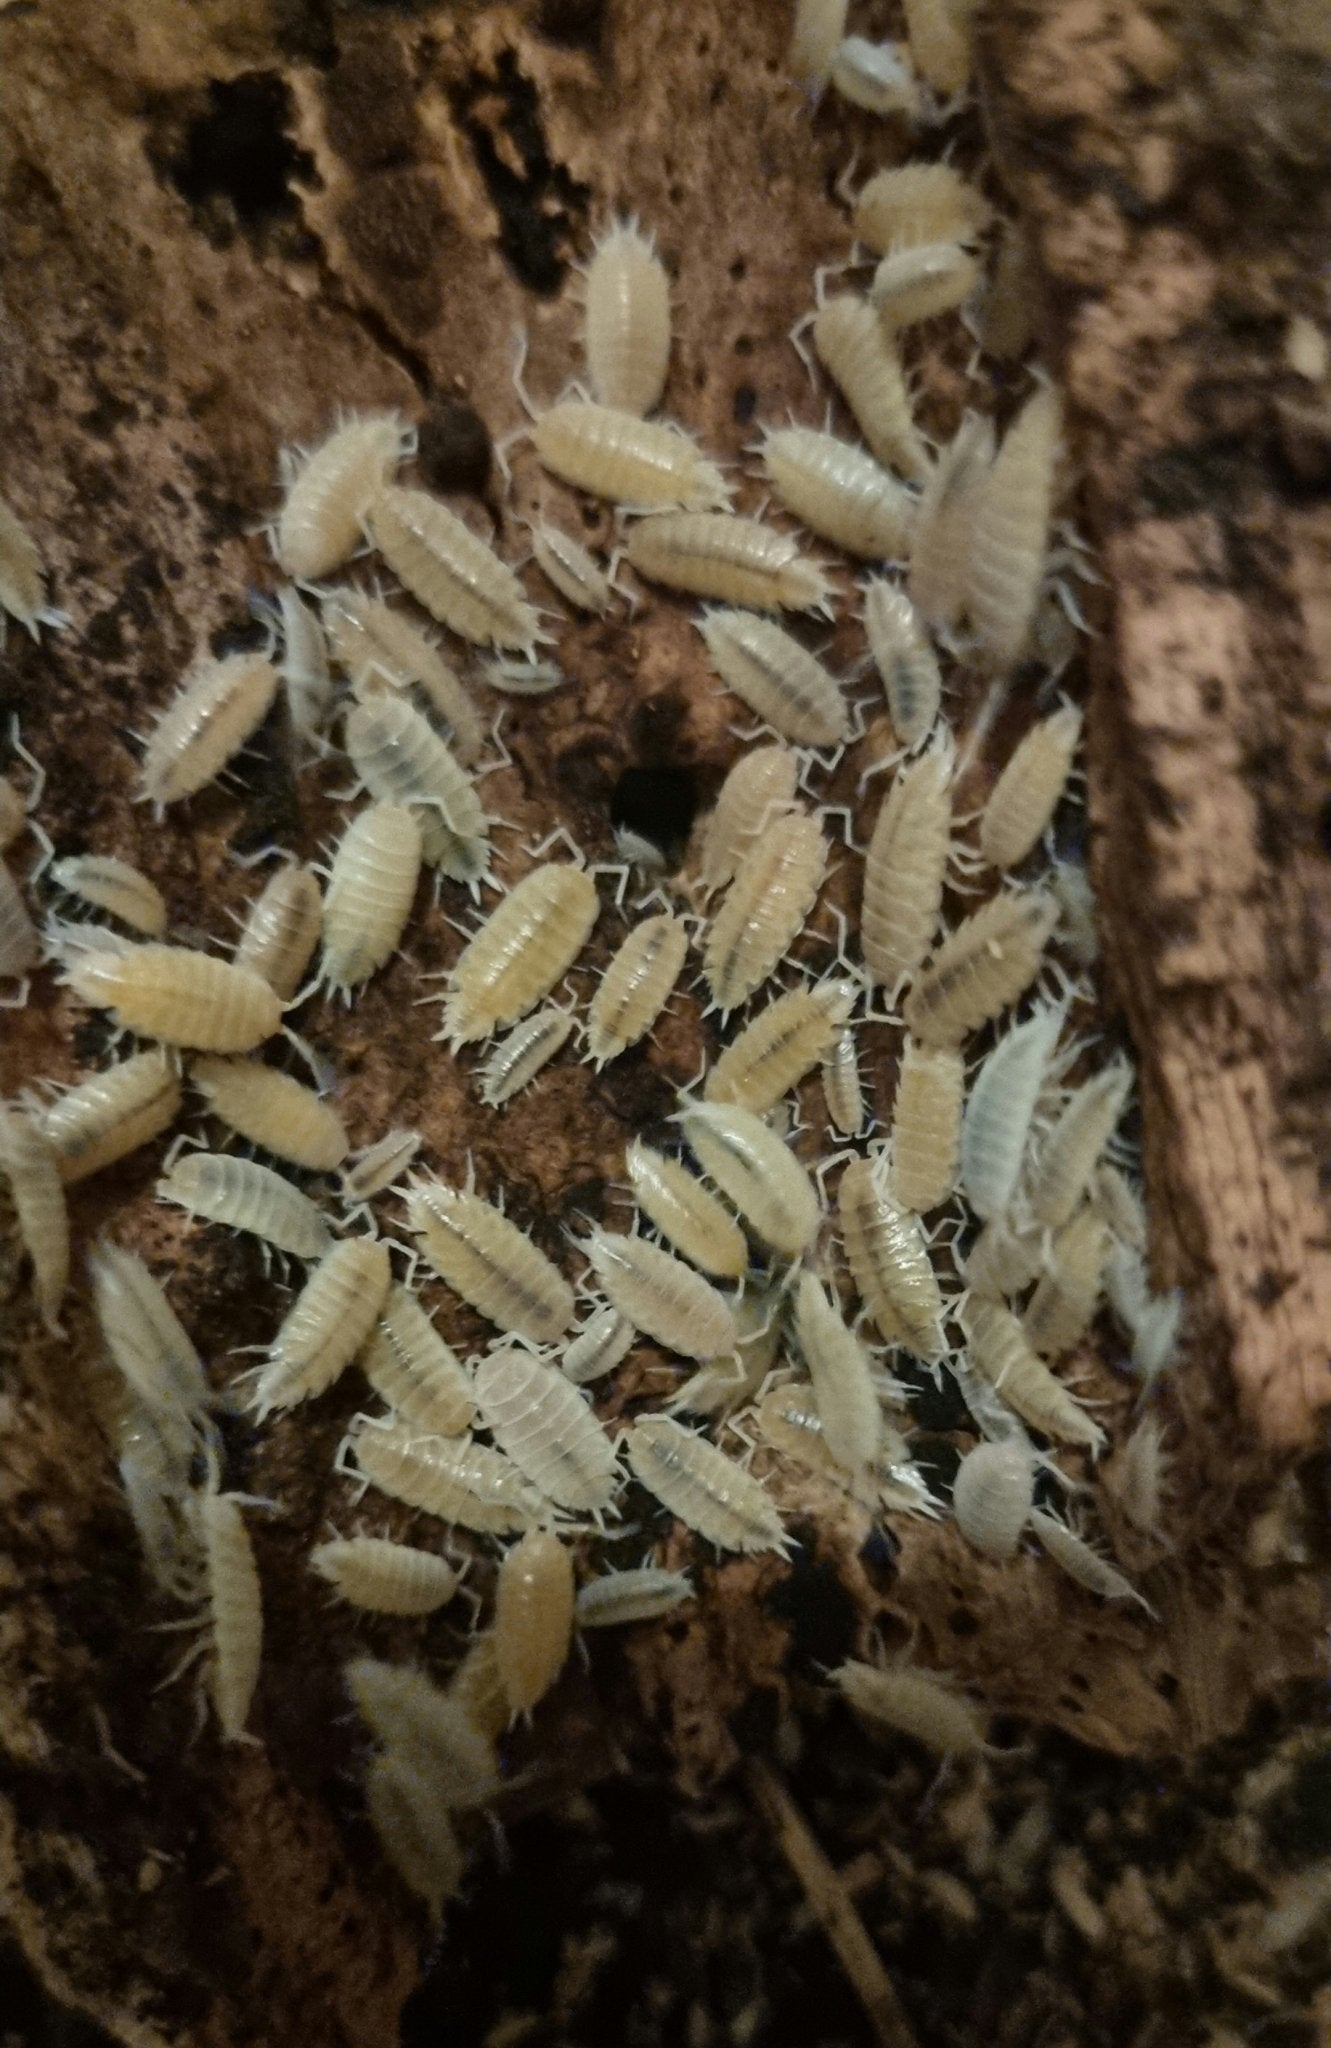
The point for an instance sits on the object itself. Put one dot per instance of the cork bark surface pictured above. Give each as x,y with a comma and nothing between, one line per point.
224,222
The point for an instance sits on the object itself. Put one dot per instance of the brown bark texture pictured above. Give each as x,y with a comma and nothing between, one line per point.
225,221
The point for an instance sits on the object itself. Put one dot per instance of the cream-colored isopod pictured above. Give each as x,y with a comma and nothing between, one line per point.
411,1368
112,1113
906,863
22,582
780,1045
243,1195
614,454
758,1172
455,1478
383,650
775,676
904,659
384,1577
839,492
220,705
538,1417
842,1376
926,1125
178,996
28,1164
738,561
371,887
329,491
489,1262
888,1254
627,332
235,1608
661,1296
983,965
1027,793
273,1110
864,364
685,1212
775,887
526,945
759,787
533,1625
326,1324
1009,537
450,570
706,1490
918,202
281,930
635,987
115,886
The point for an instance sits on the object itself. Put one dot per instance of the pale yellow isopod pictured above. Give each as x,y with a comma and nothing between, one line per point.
281,930
911,1701
516,1060
1000,1350
526,945
326,1325
918,284
533,1624
738,561
786,685
401,760
839,491
780,1045
329,492
1076,1557
602,1343
246,1196
217,708
147,1341
842,1377
576,575
914,203
661,1296
983,965
1009,536
384,1577
992,1496
429,1729
1002,1260
686,1213
1063,1306
381,649
706,1490
1072,1150
450,570
371,887
22,584
113,885
843,1086
306,680
616,1599
235,1608
273,1110
904,659
111,1114
537,1416
635,986
876,76
888,1255
937,578
864,365
410,1367
905,865
757,1171
627,332
926,1126
489,1262
1119,1201
379,1165
614,454
815,37
455,1478
29,1165
757,789
1027,793
775,887
477,1689
181,997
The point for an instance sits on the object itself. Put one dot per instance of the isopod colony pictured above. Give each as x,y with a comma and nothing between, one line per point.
804,1263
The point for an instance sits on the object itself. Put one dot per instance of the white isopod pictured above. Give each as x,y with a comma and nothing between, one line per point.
775,887
371,887
22,585
839,492
540,1419
1027,793
401,760
246,1196
1010,531
997,1120
144,1335
450,570
706,1490
737,561
780,1045
906,863
410,1367
326,1324
875,76
381,649
914,285
904,659
526,945
574,572
842,1377
379,1165
627,335
1119,1200
918,202
992,1496
614,454
603,1342
29,1164
235,1608
113,885
489,1262
616,1599
307,681
757,1171
685,1212
273,1110
217,708
516,1060
843,1086
1071,1153
633,991
281,931
759,787
864,365
661,1296
112,1113
786,685
1081,1562
455,1478
329,492
176,995
384,1577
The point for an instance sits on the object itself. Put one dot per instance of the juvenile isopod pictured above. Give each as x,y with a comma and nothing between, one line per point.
526,945
627,333
842,1377
685,1212
181,997
843,1087
1002,1354
273,1110
379,1165
787,1418
759,787
382,650
919,202
384,1577
307,683
402,760
904,659
888,1255
450,570
455,1478
780,1045
918,284
905,865
1027,793
1009,536
775,887
410,1367
217,708
1002,1259
786,685
539,1418
246,1196
603,1342
281,931
815,37
738,561
371,887
1119,1201
489,1262
614,454
235,1608
938,33
1071,1152
706,1490
29,1164
145,1337
633,991
981,968
20,947
1140,1476
533,1624
997,1121
329,492
875,76
757,1171
326,1324
426,1728
926,1126
617,1598
575,573
941,537
516,1060
22,584
113,885
911,1701
1081,1562
414,1825
661,1296
992,1495
864,365
1063,1306
839,492
112,1113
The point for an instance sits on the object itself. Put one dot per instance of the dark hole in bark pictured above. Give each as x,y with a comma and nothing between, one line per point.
658,804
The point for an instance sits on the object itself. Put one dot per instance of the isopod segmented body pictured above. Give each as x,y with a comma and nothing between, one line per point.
1080,1562
178,996
1002,1260
540,1419
635,986
455,1478
384,1577
627,333
759,787
738,561
839,491
603,1342
1000,1350
1072,1151
246,1196
306,680
875,76
706,1490
779,1046
661,1296
926,1126
145,1337
940,540
1010,531
410,1367
382,650
775,887
913,285
20,947
725,1382
992,1496
517,1060
450,570
274,1110
402,760
326,1324
904,659
379,1165
428,1729
905,865
786,685
843,1087
1063,1306
533,1624
866,368
888,1256
1026,794
1119,1201
982,966
113,885
489,1262
757,1171
686,1213
842,1379
914,1702
29,1165
220,706
527,944
614,454
998,1115
278,938
112,1113
330,491
618,1598
371,887
920,202
576,575
22,585
235,1608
